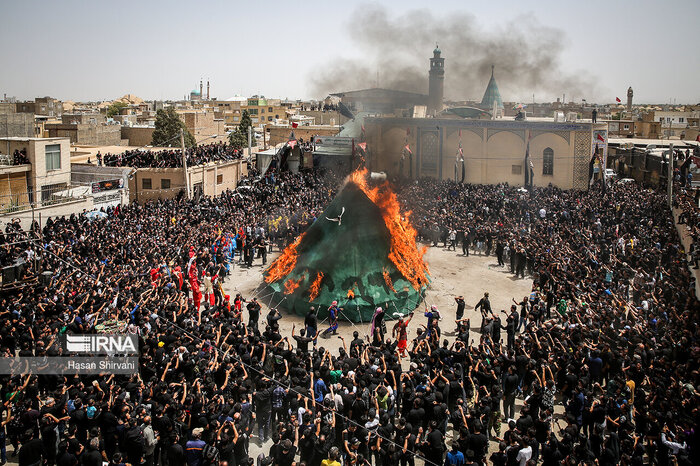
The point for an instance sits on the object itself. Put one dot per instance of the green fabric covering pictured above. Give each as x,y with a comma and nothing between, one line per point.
351,254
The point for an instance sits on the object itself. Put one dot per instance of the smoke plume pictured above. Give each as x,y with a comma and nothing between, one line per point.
525,53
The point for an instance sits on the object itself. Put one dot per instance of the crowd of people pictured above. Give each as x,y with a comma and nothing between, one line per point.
171,158
603,353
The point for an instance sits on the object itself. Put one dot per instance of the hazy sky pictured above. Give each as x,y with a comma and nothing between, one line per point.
95,50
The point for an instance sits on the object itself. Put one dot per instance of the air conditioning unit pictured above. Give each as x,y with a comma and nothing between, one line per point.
571,117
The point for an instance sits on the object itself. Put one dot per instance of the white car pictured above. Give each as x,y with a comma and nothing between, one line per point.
610,173
627,180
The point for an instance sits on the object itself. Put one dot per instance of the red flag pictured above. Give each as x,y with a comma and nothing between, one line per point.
294,125
600,137
362,145
408,149
618,99
292,143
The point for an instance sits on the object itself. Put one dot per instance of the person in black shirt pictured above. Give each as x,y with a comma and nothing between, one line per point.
303,340
32,451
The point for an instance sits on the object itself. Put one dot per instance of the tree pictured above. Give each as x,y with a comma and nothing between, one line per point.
238,138
115,108
167,132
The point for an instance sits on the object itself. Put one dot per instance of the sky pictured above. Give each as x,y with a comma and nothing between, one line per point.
98,50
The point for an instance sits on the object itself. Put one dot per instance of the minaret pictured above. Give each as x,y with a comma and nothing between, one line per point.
630,93
436,81
207,89
201,89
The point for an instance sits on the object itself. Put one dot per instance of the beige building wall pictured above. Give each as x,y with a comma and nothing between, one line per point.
494,151
165,183
278,134
40,177
202,125
137,136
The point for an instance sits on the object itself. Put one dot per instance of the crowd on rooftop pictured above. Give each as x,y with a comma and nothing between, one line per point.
603,353
170,158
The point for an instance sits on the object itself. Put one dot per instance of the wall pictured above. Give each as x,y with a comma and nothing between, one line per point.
230,172
13,186
324,118
280,134
491,149
202,125
93,135
17,125
137,136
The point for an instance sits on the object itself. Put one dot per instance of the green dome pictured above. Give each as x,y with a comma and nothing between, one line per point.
194,91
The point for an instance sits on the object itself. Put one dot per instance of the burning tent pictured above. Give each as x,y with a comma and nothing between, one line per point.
361,252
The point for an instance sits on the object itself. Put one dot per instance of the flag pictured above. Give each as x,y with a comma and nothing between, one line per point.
295,125
363,128
408,149
292,143
617,99
362,145
600,137
529,172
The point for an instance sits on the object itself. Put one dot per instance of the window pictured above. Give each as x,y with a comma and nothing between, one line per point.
626,127
262,110
680,120
269,109
548,161
165,183
219,179
269,118
253,111
146,183
517,170
236,118
53,157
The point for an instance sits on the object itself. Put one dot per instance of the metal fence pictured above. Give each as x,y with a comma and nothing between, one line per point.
48,195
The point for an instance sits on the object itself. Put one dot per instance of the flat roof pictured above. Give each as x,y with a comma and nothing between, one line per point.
16,138
655,142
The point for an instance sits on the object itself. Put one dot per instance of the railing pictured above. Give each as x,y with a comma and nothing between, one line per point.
48,195
10,160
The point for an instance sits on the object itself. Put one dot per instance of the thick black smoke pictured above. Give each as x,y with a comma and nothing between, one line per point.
525,53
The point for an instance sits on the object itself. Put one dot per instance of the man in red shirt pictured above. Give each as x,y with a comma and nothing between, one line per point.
400,328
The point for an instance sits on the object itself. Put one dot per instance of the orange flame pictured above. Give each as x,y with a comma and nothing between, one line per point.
403,252
351,294
285,262
387,279
291,285
315,287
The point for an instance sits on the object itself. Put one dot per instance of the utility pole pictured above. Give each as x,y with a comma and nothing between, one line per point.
184,163
250,141
670,176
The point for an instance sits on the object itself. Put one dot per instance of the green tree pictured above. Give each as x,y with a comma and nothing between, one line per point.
115,109
238,138
167,132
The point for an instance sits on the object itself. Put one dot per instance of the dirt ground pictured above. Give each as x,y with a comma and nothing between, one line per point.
452,275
